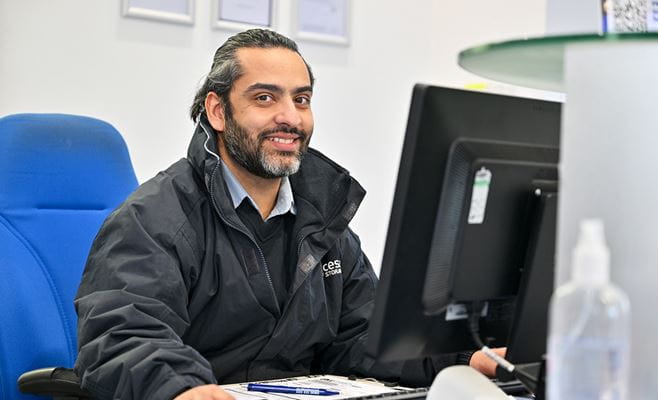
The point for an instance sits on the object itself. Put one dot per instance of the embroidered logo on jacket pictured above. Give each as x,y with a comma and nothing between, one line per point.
331,268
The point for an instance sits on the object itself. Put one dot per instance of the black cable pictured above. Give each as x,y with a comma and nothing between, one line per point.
474,311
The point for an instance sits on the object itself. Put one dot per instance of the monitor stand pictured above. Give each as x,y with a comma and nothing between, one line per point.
527,340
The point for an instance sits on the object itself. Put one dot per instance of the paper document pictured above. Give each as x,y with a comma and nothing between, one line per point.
347,388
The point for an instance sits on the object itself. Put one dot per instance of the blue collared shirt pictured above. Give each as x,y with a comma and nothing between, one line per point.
284,201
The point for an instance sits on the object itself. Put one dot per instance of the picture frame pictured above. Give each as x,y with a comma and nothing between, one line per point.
172,11
239,15
325,21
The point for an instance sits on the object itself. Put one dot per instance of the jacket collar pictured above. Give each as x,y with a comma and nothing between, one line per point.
284,202
324,191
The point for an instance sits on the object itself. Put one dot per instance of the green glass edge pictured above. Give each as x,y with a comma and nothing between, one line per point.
556,40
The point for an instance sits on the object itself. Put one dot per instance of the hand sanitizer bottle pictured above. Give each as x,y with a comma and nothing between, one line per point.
589,327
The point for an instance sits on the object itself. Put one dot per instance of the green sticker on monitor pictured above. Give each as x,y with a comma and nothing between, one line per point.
478,207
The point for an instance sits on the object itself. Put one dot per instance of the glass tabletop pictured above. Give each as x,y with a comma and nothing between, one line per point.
534,62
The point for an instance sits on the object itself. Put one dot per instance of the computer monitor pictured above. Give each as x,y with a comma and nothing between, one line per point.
473,222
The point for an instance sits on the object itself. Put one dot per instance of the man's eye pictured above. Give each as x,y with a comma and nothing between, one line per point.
303,100
264,98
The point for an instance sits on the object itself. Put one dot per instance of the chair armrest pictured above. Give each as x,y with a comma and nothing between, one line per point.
54,382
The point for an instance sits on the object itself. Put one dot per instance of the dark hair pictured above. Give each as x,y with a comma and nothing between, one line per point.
226,68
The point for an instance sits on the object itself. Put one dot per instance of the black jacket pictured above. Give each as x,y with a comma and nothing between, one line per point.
177,294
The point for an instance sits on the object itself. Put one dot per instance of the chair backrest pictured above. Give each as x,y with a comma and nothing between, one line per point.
60,176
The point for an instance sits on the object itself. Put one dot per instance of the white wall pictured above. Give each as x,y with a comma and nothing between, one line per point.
80,56
573,17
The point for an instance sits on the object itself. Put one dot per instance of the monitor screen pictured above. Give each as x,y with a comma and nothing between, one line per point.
473,213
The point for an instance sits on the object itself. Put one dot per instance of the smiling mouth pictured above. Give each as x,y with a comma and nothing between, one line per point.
287,144
282,140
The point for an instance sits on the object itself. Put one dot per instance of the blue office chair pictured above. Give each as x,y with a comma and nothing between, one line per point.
60,176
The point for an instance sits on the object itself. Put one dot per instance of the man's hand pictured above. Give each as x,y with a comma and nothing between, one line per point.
484,364
205,392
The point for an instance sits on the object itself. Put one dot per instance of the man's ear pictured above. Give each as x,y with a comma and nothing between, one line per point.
215,111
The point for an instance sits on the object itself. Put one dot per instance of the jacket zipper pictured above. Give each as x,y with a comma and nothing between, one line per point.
237,228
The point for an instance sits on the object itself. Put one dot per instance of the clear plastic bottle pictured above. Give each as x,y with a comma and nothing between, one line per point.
589,327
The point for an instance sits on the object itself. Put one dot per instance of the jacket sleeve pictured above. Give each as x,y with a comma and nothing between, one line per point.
132,312
347,355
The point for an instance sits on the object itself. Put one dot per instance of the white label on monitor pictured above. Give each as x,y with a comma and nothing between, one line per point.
481,184
457,311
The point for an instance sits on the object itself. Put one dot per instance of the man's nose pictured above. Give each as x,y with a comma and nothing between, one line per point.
288,114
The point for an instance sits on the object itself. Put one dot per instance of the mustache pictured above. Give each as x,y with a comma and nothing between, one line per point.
283,129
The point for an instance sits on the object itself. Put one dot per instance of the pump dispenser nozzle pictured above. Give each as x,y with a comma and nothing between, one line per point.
591,257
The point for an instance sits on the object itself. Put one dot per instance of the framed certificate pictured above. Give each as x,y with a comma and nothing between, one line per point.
176,11
323,20
243,14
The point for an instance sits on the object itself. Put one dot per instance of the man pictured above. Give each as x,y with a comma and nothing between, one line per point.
212,272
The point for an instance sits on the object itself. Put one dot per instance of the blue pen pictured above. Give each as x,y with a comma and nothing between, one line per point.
257,387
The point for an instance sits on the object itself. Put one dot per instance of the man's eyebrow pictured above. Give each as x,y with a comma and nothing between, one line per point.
277,89
303,89
265,86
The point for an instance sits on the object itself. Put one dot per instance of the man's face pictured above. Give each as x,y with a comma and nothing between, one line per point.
269,124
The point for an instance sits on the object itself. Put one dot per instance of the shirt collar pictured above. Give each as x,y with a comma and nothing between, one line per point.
285,201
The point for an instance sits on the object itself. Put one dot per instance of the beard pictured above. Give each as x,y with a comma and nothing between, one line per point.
250,153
